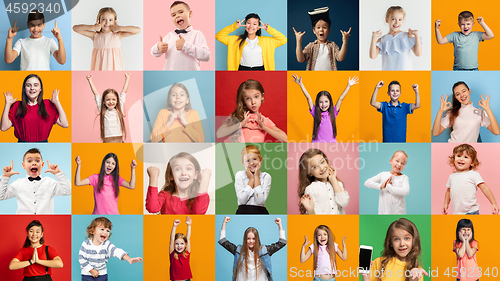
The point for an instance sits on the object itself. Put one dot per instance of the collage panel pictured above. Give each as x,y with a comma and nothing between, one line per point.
179,106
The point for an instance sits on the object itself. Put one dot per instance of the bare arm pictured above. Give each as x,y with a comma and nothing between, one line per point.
373,101
345,40
276,133
340,253
60,54
487,192
469,250
488,34
125,31
16,264
350,83
92,86
188,234
5,123
55,263
440,39
11,55
87,30
416,105
485,104
172,236
78,180
131,184
437,128
231,125
298,80
374,50
125,85
417,48
298,50
305,254
461,251
447,200
62,120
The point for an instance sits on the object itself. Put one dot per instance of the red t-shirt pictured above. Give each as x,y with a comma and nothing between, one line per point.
32,127
35,269
179,268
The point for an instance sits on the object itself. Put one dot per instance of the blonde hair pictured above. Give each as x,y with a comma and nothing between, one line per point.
392,10
103,11
250,149
399,151
184,252
459,150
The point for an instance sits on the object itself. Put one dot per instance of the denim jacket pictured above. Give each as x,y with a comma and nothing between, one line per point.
265,254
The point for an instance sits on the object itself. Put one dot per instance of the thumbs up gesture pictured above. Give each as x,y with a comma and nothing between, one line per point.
162,47
179,43
13,30
56,31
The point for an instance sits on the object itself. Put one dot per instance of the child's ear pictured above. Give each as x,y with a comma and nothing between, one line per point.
190,14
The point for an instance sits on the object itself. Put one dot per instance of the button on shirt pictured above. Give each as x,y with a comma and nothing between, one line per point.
394,121
326,201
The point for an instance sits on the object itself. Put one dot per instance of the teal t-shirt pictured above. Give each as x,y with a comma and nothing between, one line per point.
466,48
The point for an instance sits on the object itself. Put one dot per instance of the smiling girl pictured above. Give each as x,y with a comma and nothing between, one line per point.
180,252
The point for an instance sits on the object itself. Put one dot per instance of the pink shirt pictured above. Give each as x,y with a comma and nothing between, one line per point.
324,265
472,272
105,201
165,203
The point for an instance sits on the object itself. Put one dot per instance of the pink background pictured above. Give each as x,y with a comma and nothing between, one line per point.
342,157
157,21
487,154
86,126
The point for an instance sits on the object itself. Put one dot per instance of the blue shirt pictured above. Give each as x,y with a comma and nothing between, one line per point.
394,121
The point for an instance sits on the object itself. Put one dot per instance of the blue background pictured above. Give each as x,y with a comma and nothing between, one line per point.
228,12
377,161
56,153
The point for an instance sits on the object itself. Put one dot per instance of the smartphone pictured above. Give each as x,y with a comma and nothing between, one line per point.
365,258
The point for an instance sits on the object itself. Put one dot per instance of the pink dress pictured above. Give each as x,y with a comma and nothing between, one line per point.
107,53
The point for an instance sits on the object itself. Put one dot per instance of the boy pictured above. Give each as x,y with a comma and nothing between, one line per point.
35,50
394,112
35,195
184,47
465,42
321,54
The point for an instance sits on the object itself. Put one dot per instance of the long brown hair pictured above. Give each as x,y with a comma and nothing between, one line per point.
118,108
170,183
22,109
245,251
456,105
103,11
241,108
330,246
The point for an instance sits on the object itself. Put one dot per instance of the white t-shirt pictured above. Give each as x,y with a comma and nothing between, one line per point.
35,53
467,124
112,125
252,54
323,59
463,188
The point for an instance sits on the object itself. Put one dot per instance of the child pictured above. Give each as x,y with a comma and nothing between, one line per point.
106,184
185,189
393,186
184,47
177,122
395,46
111,109
463,118
463,183
250,51
180,252
36,259
321,54
465,247
246,124
325,127
252,186
394,112
400,257
33,117
465,42
320,191
106,35
35,194
251,254
35,50
97,249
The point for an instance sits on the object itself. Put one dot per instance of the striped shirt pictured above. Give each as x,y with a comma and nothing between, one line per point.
96,257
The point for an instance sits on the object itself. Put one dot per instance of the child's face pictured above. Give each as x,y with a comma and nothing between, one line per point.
318,167
251,161
184,173
466,25
398,163
33,88
394,92
179,245
100,234
321,30
33,164
181,16
324,103
402,243
466,232
35,234
110,100
463,162
250,240
36,28
322,237
395,21
252,25
109,165
106,21
462,94
179,98
253,99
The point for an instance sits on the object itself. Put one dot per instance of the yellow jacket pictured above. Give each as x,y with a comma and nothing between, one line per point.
268,44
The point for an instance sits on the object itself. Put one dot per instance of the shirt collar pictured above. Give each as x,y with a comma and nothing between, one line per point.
391,105
317,42
466,105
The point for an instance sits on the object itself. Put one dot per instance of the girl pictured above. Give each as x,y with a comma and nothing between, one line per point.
252,186
250,51
96,250
400,256
111,108
33,117
393,186
325,127
106,184
106,35
324,249
251,260
178,122
180,252
463,118
246,124
320,191
465,247
395,46
36,259
185,189
463,183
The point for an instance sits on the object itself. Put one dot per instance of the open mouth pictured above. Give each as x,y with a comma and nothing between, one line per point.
184,179
109,170
180,22
34,170
103,237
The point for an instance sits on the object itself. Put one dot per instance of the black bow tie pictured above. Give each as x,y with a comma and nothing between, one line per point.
180,31
34,179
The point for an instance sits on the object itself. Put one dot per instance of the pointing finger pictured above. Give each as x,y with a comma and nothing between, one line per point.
15,24
12,164
55,23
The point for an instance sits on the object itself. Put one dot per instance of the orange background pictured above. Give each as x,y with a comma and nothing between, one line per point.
156,246
13,81
418,128
301,122
82,198
447,12
298,226
443,234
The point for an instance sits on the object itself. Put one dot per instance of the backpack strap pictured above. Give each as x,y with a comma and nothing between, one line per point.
47,254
